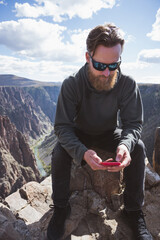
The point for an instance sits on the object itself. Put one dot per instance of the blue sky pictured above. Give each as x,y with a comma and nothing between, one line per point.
45,39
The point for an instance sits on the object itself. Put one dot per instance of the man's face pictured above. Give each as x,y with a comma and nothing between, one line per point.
103,80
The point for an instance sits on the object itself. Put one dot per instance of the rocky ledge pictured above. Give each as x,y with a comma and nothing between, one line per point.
24,215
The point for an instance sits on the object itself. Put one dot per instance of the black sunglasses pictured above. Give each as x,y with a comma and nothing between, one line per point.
102,66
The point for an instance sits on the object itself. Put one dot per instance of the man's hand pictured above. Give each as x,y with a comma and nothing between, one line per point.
122,156
93,160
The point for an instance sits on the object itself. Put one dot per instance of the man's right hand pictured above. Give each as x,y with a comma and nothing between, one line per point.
93,160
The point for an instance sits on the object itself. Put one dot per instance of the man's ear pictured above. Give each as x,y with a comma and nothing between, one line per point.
87,57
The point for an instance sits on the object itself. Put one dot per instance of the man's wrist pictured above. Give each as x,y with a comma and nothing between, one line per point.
123,146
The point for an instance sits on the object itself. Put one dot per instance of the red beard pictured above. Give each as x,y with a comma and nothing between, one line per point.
101,82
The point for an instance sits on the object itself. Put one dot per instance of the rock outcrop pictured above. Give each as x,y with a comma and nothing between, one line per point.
156,152
107,185
25,214
17,162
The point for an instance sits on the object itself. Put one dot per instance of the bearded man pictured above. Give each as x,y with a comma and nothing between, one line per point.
87,115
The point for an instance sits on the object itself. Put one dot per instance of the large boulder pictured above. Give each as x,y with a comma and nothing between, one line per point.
109,186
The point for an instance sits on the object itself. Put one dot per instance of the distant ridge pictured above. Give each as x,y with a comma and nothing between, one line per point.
10,80
15,81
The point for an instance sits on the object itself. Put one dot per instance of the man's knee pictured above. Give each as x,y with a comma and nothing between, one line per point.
140,146
139,149
59,155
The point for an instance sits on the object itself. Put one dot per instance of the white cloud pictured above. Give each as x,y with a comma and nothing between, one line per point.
155,34
26,10
3,2
43,40
130,38
142,72
132,66
36,70
60,9
149,55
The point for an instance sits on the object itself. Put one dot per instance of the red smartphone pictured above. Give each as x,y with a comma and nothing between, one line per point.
110,163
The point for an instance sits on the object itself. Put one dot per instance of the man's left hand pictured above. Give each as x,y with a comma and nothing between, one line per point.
122,156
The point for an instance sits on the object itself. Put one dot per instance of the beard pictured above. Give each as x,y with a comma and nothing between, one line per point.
102,83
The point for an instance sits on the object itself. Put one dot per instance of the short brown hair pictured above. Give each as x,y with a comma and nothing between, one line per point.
107,35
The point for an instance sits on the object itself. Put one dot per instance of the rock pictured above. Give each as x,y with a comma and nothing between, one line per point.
16,202
12,228
17,162
46,97
37,194
156,152
92,216
151,102
33,199
27,219
107,185
152,178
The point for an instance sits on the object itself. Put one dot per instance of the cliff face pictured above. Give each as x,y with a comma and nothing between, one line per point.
45,97
22,110
17,163
27,111
151,103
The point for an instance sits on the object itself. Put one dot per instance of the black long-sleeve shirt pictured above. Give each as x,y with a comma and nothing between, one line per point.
95,112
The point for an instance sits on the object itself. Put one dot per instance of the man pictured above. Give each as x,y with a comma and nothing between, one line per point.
87,110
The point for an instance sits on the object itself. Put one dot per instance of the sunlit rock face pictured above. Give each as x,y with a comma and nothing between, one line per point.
17,163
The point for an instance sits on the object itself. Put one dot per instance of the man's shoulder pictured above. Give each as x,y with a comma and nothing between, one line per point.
127,81
73,86
126,78
75,79
69,80
126,84
69,83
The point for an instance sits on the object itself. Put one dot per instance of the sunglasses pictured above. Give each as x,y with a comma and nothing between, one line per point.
102,66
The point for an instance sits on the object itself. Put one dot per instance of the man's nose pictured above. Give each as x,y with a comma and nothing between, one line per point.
106,72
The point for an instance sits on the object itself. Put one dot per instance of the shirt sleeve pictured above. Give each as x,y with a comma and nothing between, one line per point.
131,114
64,121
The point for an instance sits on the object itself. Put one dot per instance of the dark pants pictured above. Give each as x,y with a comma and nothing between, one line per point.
133,174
